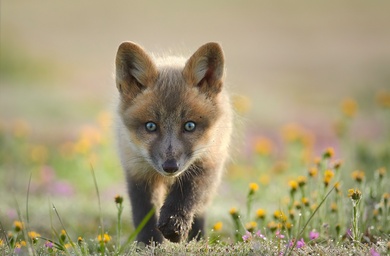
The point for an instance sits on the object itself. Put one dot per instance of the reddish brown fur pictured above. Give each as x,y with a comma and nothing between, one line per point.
170,95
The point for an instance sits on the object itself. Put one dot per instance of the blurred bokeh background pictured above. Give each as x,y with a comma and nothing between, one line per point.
287,63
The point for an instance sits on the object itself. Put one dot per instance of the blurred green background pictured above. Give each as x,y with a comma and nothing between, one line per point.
287,62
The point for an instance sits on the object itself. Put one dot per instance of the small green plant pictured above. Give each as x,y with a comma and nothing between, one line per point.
356,197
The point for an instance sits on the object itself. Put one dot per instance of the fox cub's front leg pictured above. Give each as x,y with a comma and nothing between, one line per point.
181,204
141,194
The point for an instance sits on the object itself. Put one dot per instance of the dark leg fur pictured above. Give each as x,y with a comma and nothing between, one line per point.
141,203
185,197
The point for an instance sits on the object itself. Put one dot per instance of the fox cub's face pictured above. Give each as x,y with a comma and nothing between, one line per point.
169,108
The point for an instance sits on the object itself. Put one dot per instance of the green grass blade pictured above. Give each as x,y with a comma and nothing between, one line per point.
139,228
66,232
98,198
27,198
311,216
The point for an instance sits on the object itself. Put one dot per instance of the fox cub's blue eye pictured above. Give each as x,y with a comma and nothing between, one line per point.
189,126
151,127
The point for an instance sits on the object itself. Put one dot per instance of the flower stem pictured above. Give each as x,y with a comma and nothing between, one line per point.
355,222
119,227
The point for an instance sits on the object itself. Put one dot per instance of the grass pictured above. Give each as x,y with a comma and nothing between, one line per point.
294,202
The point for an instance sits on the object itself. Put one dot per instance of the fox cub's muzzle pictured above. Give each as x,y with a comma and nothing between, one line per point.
170,166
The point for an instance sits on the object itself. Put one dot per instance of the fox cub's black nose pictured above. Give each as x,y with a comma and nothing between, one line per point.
170,166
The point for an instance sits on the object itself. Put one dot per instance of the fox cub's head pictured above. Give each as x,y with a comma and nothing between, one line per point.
170,106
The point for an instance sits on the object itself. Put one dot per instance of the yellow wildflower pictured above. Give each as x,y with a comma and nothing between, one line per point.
317,160
333,207
305,201
349,107
218,226
279,215
118,199
250,226
293,185
328,175
63,235
381,172
354,194
386,197
326,181
313,172
34,236
18,225
329,153
105,238
1,243
273,225
263,146
301,181
358,176
291,213
253,187
260,213
337,187
288,225
297,205
234,212
337,164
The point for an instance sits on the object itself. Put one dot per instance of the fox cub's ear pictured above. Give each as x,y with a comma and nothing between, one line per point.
205,68
135,70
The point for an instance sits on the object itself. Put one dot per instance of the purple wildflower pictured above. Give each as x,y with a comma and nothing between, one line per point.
259,234
49,244
349,232
313,235
373,252
300,243
247,236
279,235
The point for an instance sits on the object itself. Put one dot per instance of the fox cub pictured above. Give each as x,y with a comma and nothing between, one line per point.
173,131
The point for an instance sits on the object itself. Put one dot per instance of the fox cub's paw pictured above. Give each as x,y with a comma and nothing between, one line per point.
174,227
